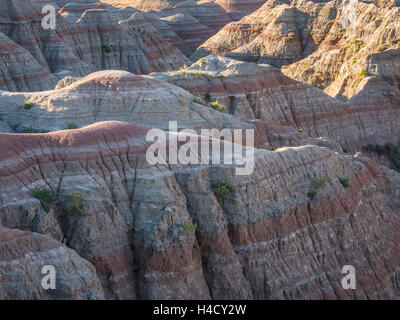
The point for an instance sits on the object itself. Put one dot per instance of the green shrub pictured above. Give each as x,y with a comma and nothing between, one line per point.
71,126
394,155
45,196
224,189
202,61
312,194
185,101
14,127
190,227
363,73
107,49
78,201
345,182
34,130
389,149
345,149
320,183
199,101
217,106
28,104
207,96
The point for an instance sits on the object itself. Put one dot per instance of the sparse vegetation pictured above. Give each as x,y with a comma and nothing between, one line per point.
217,106
78,201
312,194
190,227
45,196
390,150
28,104
207,96
34,130
363,73
107,49
199,101
71,126
224,189
394,155
345,181
202,61
185,101
320,183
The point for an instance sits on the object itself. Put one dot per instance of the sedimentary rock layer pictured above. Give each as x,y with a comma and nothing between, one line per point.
332,45
265,240
23,256
95,41
254,91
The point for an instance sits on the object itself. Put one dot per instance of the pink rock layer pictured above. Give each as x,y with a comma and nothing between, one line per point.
267,240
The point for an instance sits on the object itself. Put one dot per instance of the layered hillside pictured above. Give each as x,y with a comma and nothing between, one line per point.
142,100
97,40
254,91
316,83
331,45
134,225
23,254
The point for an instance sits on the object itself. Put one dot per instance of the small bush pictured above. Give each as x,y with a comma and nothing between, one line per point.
345,149
185,101
28,104
199,101
394,155
217,106
34,130
320,183
202,61
190,227
312,194
345,182
45,196
224,189
207,96
71,126
363,73
107,49
78,201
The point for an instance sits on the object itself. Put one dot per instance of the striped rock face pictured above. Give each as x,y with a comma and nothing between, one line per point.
95,41
24,254
330,45
160,231
240,8
263,92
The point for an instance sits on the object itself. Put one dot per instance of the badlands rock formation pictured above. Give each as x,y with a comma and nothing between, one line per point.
78,190
96,41
267,240
262,92
330,45
23,254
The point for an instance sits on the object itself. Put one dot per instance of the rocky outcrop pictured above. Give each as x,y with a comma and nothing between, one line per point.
15,61
237,9
24,254
96,41
207,13
111,95
330,45
266,240
254,91
72,11
190,30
